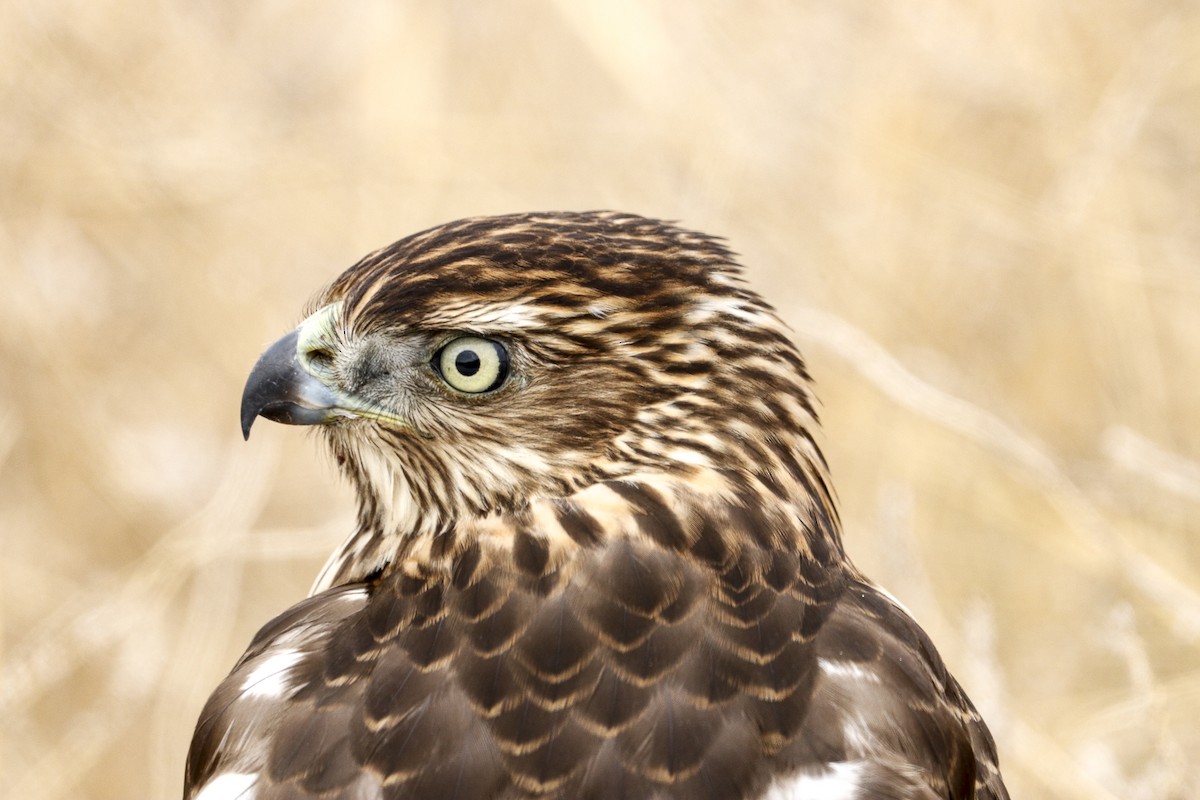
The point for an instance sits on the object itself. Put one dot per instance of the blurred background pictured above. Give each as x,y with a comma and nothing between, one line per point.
979,216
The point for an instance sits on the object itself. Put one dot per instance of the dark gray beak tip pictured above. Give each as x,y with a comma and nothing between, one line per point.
271,381
247,421
280,390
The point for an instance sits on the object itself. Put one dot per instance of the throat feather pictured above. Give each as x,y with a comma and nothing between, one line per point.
384,488
414,514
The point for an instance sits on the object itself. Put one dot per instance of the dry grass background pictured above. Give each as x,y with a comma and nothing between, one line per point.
980,216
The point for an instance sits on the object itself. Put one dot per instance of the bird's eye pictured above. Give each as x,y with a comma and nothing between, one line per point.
472,365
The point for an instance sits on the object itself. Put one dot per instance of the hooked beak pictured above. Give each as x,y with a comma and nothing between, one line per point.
282,390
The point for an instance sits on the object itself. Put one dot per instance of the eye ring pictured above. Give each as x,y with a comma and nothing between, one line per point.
472,364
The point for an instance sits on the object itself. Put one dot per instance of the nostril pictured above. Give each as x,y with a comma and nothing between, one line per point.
321,358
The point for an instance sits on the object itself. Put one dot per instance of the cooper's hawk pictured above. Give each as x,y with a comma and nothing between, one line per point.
596,555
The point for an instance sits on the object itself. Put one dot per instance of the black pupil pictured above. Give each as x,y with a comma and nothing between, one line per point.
467,363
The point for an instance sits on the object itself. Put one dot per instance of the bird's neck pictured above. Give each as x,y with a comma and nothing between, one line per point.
779,504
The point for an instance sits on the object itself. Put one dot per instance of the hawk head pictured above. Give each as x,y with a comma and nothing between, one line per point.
476,367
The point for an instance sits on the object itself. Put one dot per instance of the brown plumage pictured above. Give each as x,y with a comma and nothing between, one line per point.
596,556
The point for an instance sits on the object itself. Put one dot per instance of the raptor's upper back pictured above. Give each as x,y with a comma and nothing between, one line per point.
663,664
